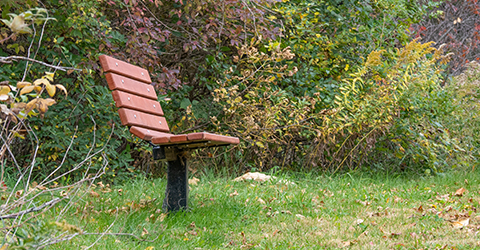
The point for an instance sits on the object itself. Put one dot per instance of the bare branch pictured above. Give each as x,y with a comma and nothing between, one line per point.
10,59
33,209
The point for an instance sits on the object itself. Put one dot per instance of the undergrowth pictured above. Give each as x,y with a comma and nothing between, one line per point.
357,210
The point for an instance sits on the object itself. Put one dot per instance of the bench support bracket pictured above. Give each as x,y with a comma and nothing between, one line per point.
177,184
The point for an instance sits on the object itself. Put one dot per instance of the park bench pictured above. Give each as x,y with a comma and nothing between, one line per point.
140,110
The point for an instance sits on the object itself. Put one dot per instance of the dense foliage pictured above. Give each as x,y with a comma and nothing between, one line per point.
318,86
322,85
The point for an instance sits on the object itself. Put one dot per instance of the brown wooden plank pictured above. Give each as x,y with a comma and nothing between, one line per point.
118,82
130,117
131,101
148,134
178,138
214,138
172,140
110,64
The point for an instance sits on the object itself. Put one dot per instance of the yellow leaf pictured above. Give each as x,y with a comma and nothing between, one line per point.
23,84
4,90
19,105
260,144
31,105
49,76
50,89
27,90
42,107
49,101
62,88
41,81
18,25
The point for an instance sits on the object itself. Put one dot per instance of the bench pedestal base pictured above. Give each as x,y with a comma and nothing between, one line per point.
176,195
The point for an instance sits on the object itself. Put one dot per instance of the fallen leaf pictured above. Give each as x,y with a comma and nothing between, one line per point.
18,194
460,223
3,186
358,222
300,216
256,176
460,191
193,181
261,201
414,235
365,203
235,193
420,209
162,217
144,232
395,234
94,194
346,244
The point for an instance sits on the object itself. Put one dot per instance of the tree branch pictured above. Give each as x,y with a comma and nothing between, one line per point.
9,59
33,209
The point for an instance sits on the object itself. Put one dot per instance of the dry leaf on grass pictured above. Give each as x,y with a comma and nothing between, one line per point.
94,194
256,176
460,223
365,203
300,216
358,222
18,194
460,191
193,181
144,232
3,186
419,209
346,244
235,193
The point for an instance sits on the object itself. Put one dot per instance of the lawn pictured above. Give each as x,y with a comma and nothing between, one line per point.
293,211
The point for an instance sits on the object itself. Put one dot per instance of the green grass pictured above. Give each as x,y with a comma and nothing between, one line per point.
354,211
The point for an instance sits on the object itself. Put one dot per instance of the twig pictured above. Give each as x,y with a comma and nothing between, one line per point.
106,230
5,39
123,234
33,209
9,59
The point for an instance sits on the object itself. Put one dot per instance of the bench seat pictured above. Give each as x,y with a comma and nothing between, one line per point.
139,109
183,140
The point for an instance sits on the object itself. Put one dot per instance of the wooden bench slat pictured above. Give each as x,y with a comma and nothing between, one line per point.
118,82
208,139
130,117
148,134
131,101
110,64
204,136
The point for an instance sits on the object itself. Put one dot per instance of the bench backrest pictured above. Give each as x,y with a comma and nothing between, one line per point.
135,97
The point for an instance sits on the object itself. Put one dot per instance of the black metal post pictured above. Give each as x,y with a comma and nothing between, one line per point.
176,195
